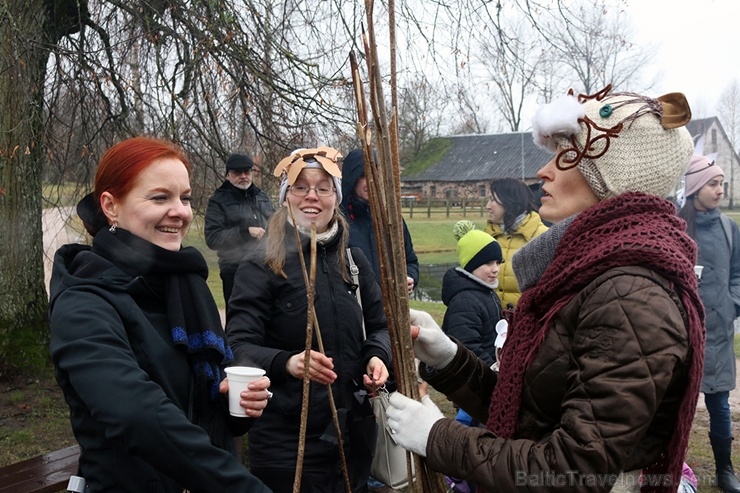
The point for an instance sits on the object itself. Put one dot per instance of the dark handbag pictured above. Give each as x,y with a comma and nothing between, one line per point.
389,461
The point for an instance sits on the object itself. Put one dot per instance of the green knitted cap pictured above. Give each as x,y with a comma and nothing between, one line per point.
476,248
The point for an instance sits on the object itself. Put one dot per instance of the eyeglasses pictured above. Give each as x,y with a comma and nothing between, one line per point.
302,190
239,172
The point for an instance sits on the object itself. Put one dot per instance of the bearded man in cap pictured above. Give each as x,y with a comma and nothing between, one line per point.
236,217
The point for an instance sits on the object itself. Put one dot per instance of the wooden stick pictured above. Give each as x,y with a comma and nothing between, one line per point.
313,323
384,193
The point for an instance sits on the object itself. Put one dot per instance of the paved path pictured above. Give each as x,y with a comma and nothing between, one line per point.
58,230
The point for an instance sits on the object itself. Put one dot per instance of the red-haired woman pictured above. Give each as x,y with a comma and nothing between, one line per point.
136,338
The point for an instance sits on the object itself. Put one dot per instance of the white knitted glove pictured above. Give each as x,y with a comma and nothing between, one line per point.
411,421
432,346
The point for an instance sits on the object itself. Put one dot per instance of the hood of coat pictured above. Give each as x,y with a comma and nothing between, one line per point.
77,265
458,279
353,168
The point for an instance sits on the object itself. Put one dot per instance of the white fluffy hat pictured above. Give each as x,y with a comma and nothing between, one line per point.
621,142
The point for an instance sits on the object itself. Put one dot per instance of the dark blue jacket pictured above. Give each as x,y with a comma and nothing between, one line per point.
473,309
357,212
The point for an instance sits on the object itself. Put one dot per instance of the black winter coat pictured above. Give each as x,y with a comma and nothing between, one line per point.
128,386
473,309
266,325
229,215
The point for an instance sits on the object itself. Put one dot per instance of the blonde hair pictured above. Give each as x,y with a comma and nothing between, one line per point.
276,242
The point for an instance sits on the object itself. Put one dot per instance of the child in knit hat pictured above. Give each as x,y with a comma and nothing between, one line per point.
473,307
718,239
468,291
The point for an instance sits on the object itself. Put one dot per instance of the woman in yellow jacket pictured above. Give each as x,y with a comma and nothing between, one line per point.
513,222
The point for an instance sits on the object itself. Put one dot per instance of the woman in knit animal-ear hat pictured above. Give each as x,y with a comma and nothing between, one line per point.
601,368
718,239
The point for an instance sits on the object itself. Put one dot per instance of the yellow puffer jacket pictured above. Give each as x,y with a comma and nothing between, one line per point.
531,227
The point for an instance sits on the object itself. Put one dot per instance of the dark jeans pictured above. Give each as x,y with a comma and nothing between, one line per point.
720,420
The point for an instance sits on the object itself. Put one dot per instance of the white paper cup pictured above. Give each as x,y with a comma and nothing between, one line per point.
238,378
697,270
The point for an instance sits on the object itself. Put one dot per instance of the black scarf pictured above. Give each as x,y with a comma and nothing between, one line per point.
192,314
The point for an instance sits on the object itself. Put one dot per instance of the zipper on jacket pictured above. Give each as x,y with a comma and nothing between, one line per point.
338,345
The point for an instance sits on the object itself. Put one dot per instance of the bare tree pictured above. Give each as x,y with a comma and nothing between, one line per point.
472,118
595,44
28,31
212,76
728,112
420,115
217,76
512,57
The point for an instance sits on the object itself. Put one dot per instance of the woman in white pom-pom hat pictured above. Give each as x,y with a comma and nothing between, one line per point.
600,372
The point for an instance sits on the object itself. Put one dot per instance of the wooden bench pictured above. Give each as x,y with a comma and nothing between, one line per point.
48,473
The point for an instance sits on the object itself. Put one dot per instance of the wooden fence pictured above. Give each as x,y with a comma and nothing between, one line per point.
458,206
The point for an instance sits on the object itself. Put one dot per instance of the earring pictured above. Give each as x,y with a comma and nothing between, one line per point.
112,228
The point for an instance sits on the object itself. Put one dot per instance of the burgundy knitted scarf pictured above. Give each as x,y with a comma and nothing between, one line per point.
632,229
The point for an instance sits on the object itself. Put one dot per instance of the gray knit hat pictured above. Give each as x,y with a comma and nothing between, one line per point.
621,142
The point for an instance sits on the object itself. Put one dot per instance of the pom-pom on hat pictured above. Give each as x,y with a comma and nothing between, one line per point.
701,169
475,247
323,157
239,162
621,142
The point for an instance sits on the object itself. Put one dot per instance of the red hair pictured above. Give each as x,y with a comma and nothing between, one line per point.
123,162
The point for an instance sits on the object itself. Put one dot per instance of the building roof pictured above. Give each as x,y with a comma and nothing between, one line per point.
473,158
699,126
486,157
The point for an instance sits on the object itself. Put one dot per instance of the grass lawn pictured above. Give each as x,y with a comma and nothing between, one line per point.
433,240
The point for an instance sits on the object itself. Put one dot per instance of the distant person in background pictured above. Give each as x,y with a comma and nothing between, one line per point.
356,208
236,218
513,222
718,238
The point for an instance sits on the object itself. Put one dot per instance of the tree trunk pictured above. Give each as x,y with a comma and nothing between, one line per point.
24,52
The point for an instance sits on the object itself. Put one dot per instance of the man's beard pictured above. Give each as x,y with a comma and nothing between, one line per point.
243,186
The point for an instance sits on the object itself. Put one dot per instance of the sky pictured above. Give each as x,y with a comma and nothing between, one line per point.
697,47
